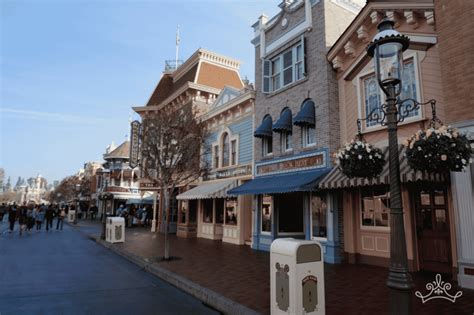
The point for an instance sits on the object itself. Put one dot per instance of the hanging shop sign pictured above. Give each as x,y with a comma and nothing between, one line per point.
134,143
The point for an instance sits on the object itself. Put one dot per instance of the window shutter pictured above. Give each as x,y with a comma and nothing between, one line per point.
303,46
266,76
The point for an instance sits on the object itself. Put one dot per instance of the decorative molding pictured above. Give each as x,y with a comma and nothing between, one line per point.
375,17
429,16
393,16
349,49
411,18
362,34
337,63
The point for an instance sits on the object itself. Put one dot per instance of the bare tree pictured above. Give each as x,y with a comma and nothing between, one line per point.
67,189
172,143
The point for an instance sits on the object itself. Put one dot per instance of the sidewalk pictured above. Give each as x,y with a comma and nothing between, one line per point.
242,275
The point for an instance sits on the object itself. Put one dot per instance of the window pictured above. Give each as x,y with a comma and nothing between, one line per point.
375,207
233,152
373,94
225,149
231,211
220,210
266,214
318,216
208,210
284,69
285,142
267,146
192,210
276,69
216,156
308,136
290,213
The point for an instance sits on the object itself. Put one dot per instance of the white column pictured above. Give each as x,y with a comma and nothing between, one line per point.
463,193
153,222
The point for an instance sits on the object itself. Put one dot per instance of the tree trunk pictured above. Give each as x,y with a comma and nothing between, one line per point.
166,198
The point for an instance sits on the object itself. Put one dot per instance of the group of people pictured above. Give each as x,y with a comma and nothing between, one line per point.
135,216
31,215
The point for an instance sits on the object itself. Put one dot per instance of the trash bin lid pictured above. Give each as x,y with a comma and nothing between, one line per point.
290,247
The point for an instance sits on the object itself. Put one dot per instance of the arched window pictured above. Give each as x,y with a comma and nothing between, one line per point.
225,149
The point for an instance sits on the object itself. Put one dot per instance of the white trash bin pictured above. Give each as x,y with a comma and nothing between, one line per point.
115,230
296,277
71,215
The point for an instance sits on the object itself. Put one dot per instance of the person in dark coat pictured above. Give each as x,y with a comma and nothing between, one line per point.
22,217
12,215
49,215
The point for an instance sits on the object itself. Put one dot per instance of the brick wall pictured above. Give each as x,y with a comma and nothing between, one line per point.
320,84
455,26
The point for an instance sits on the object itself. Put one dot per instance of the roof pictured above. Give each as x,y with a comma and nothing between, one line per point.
282,183
216,189
336,179
203,67
121,152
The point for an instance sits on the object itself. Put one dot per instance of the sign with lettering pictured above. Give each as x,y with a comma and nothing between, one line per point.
231,172
149,186
294,164
134,143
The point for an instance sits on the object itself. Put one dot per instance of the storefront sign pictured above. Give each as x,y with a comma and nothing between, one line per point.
134,143
294,164
149,186
232,172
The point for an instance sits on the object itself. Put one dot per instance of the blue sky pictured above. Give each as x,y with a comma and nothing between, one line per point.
71,70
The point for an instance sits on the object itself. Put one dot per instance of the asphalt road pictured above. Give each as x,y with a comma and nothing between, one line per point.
63,272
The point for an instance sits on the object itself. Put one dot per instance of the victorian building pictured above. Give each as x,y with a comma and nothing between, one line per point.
196,83
296,123
436,207
117,177
207,210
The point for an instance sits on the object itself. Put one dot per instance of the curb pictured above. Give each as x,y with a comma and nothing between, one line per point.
206,296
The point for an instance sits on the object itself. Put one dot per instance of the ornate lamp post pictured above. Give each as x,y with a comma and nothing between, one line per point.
78,189
387,49
104,196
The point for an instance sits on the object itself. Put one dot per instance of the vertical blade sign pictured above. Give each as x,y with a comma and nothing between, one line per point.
134,143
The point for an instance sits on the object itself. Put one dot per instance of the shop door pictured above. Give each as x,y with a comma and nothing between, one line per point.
432,229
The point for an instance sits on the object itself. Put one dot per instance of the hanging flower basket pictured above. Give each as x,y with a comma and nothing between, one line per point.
438,150
360,159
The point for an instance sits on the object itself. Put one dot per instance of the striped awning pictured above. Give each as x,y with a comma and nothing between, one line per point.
336,179
216,189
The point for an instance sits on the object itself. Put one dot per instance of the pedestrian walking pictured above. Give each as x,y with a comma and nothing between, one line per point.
93,212
12,216
30,217
22,217
49,215
60,219
39,219
3,210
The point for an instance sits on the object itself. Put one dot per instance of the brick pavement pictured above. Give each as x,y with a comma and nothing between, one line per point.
242,274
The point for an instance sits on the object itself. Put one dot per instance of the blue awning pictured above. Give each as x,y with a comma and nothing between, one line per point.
306,116
281,183
284,124
265,129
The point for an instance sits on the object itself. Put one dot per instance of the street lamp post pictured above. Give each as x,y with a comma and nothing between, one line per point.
104,197
78,189
387,49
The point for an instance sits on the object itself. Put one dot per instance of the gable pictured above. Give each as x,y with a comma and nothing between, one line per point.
226,95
